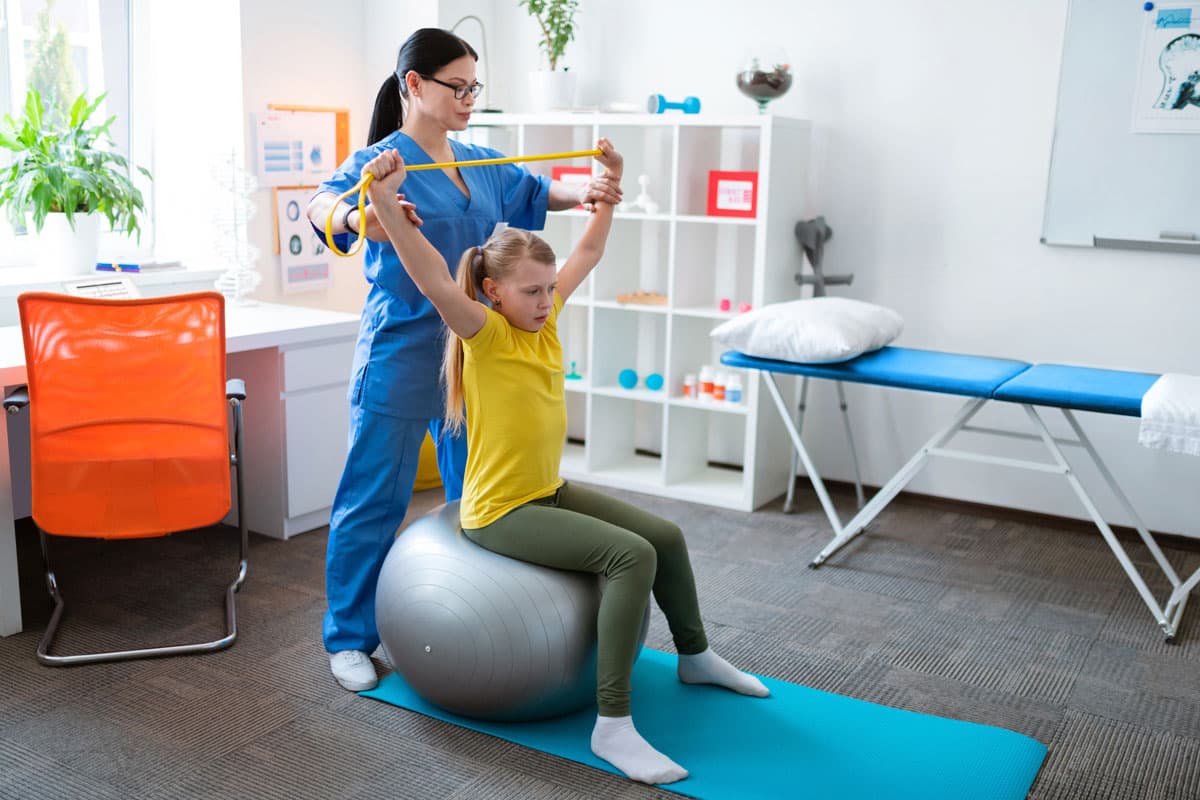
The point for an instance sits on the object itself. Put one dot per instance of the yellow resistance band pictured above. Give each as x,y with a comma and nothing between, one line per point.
361,187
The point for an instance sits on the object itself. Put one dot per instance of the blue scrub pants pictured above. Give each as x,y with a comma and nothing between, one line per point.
371,501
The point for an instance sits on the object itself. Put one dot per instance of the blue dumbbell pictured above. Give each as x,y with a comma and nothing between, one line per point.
657,104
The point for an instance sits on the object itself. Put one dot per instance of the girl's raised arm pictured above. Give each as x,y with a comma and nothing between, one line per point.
587,251
421,260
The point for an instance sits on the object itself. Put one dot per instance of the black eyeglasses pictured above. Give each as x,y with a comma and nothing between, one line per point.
460,91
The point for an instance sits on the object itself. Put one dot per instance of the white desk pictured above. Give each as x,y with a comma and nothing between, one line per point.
296,364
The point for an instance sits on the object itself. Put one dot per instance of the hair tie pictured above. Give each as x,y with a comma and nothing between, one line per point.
477,261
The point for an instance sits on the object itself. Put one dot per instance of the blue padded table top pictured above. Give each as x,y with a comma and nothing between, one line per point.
1108,391
902,367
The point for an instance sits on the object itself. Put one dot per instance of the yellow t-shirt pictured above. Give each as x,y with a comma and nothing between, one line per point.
516,417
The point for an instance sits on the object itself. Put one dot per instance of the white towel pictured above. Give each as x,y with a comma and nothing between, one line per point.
1171,414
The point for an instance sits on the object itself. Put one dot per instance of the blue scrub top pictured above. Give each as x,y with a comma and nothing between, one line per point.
398,357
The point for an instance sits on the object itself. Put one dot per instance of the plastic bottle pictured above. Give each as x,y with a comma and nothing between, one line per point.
733,389
690,386
706,383
719,387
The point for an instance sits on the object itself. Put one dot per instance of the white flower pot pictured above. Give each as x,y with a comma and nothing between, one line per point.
551,90
63,252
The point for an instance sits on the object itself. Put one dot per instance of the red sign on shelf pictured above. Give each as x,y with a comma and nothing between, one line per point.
572,176
732,194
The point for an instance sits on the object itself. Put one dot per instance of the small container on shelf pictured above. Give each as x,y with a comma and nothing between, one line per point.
733,389
706,383
691,387
718,392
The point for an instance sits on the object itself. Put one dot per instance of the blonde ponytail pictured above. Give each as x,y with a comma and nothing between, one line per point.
470,276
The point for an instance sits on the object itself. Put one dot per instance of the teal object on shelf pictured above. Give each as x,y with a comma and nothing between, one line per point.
627,378
654,381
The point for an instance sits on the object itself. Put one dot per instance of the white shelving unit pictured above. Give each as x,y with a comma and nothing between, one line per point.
722,454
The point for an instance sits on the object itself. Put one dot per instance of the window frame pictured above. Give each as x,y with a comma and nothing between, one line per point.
17,249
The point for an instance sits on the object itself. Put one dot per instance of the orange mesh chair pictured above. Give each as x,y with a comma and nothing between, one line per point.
129,430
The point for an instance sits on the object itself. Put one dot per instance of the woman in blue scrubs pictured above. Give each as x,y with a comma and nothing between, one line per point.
395,395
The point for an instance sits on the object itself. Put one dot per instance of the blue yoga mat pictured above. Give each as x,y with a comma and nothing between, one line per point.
798,743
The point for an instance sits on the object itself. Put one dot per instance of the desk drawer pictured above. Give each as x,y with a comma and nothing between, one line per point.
316,426
326,364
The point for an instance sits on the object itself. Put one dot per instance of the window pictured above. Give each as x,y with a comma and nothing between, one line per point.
97,59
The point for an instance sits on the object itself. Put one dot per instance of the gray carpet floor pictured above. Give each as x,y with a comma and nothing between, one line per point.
977,614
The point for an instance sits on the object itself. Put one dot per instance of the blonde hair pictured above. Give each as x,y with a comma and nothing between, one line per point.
496,259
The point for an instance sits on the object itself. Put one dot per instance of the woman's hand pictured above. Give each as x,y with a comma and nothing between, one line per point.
410,210
604,188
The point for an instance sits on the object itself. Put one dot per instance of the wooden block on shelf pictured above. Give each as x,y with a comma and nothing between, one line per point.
643,298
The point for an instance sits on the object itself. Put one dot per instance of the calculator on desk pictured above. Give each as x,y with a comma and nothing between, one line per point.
118,287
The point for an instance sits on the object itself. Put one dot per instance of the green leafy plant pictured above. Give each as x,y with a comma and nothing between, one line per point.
66,168
557,20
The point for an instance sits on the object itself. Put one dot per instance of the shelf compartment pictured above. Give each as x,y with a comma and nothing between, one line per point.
625,436
641,308
642,394
706,450
712,406
647,151
573,324
713,262
543,139
562,230
631,340
577,417
709,148
636,258
691,348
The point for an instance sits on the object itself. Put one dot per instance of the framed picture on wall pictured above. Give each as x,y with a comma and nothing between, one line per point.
732,194
572,176
304,261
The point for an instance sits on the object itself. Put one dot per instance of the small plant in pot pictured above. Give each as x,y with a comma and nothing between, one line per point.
67,170
553,89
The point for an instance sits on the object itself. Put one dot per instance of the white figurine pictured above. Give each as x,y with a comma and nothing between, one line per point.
643,201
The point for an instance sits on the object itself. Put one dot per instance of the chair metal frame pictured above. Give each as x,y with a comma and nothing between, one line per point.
235,394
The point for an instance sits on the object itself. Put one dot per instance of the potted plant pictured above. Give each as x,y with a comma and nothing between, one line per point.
64,177
553,88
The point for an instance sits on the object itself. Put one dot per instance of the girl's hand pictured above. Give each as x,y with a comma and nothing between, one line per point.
604,188
389,172
614,163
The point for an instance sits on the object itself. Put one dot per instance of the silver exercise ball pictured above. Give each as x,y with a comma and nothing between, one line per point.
483,635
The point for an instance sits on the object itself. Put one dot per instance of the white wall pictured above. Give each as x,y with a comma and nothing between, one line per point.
933,121
306,52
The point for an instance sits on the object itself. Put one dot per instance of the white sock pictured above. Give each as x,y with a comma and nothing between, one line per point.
616,741
708,667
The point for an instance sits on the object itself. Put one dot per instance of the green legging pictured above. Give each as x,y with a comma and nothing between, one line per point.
578,529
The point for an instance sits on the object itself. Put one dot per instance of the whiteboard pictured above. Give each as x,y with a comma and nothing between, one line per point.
1112,183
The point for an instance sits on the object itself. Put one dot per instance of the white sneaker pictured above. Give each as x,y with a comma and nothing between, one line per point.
353,670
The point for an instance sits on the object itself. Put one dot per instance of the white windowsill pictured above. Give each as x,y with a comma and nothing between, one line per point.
14,280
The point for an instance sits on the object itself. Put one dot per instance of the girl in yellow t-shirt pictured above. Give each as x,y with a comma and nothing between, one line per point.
507,359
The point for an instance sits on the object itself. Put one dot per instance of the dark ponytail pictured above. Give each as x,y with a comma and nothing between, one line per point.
388,112
425,52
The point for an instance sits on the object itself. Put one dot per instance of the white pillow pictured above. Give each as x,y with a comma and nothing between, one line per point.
815,330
